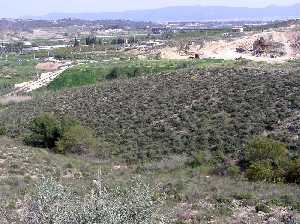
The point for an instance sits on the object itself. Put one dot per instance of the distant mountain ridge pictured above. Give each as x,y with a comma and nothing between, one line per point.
190,13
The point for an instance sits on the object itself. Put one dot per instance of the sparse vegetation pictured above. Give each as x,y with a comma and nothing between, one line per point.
54,203
91,74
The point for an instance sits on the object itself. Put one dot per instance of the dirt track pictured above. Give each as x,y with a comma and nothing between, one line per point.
43,80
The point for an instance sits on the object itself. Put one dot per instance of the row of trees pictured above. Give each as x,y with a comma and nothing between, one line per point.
11,47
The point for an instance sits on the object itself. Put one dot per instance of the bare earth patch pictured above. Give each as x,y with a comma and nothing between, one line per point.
48,66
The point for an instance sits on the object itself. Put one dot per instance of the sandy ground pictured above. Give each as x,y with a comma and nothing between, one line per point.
48,66
43,80
172,53
224,49
227,50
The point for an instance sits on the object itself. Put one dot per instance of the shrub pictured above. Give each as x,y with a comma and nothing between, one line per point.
54,203
262,208
76,139
266,149
62,136
134,72
67,123
113,74
260,171
199,158
3,130
267,159
206,169
286,201
293,173
45,131
233,171
244,196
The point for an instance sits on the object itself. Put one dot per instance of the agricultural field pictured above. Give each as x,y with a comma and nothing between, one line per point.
15,69
99,72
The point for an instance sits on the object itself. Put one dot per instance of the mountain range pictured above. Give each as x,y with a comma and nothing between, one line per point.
190,13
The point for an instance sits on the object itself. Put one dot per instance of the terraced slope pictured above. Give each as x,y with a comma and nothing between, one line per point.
148,117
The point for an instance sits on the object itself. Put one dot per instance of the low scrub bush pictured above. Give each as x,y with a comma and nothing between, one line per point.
266,149
62,136
206,170
199,158
293,173
45,131
244,196
54,203
217,163
76,139
233,171
266,160
260,171
113,74
3,131
260,207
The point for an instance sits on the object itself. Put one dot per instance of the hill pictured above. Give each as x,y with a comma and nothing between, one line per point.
190,13
230,201
178,112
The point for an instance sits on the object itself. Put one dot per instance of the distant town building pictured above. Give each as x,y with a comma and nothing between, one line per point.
238,29
158,30
27,44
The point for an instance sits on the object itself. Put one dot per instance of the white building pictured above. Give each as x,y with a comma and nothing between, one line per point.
238,29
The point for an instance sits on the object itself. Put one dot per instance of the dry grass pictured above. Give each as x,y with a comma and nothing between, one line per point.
8,100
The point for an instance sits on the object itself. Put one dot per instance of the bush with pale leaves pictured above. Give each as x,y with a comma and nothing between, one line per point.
57,204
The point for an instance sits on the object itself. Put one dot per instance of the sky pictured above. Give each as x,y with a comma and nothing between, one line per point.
19,8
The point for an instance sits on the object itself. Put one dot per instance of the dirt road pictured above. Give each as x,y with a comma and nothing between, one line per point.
43,80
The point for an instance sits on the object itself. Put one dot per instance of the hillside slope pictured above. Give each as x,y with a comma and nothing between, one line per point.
209,199
148,117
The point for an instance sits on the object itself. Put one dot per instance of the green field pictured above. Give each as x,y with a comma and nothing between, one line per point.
94,73
15,69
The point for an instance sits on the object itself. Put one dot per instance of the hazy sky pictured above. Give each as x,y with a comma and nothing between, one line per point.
16,8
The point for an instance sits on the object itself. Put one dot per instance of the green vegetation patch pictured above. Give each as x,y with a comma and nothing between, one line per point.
15,69
93,73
